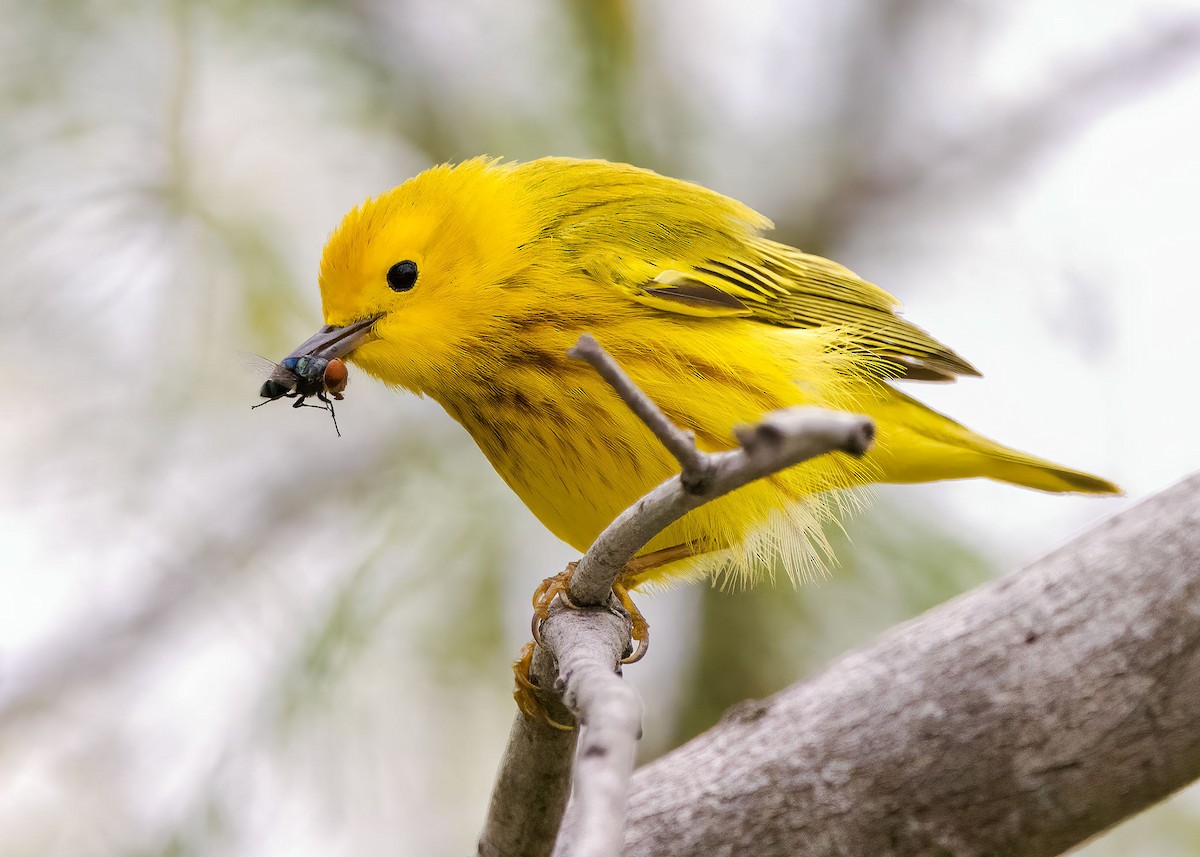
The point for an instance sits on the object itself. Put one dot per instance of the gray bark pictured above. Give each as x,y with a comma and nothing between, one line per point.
1020,718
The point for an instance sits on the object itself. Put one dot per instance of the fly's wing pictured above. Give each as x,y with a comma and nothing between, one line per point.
777,284
276,380
256,365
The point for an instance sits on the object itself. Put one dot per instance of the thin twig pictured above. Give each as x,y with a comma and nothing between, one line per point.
588,644
783,439
779,440
679,442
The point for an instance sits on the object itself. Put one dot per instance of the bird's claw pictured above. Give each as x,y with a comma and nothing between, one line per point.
526,693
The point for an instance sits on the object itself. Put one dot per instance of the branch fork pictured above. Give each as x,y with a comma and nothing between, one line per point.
581,649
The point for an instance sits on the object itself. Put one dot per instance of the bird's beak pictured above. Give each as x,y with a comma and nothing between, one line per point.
330,341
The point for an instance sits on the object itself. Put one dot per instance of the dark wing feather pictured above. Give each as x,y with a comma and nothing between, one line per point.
779,285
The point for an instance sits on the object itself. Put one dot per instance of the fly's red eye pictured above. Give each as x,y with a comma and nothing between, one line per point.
336,376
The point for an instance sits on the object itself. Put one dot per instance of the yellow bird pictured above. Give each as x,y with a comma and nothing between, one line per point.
469,283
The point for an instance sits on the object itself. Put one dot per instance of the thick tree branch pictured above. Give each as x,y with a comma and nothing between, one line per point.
1020,718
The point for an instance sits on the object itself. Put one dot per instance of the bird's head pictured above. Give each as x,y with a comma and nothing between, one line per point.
414,280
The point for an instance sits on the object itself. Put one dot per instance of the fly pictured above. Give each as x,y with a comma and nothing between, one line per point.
315,370
307,377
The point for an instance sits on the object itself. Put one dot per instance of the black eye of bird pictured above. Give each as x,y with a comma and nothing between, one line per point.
402,276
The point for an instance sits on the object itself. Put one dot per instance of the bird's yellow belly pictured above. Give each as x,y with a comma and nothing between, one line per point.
577,457
576,470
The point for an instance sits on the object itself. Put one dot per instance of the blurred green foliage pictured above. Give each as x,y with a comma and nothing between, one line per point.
237,634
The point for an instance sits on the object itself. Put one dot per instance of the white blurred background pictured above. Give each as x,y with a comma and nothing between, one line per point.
226,632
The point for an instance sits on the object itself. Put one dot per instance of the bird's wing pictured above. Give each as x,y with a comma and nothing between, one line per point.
779,285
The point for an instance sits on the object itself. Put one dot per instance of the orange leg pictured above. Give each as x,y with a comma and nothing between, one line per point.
526,692
634,573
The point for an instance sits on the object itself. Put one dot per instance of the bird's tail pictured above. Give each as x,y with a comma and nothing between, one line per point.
917,444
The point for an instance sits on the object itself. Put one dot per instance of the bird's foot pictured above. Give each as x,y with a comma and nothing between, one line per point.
557,587
527,690
639,635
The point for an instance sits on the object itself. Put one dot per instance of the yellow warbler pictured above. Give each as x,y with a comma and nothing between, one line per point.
469,283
